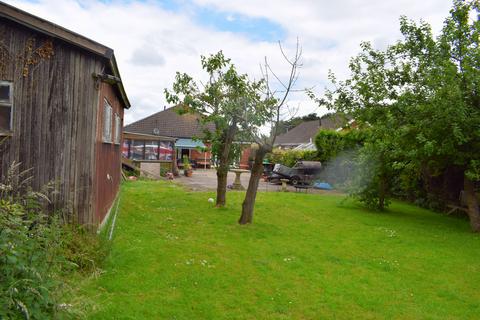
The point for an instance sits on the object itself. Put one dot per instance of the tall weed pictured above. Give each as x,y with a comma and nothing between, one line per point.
37,251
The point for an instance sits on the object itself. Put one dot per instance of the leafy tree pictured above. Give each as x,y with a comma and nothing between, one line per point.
329,143
420,97
225,100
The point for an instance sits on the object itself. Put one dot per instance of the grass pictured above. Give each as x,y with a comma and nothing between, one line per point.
175,256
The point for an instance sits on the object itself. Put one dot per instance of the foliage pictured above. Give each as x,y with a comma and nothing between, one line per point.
303,256
229,100
36,251
371,177
82,248
420,97
330,143
28,249
186,164
131,172
225,100
164,171
338,152
290,157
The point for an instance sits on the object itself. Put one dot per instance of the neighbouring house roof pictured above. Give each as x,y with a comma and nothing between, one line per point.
309,146
169,123
55,31
306,131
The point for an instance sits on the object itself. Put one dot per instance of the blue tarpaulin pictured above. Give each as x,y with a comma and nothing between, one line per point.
322,185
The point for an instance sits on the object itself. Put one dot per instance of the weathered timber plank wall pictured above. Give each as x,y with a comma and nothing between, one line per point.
55,116
108,155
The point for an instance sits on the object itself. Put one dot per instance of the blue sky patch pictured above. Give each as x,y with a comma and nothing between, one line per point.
257,29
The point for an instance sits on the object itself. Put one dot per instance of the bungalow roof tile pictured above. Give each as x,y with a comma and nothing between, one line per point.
169,123
307,130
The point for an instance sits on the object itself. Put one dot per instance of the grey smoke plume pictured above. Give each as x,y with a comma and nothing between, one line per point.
349,171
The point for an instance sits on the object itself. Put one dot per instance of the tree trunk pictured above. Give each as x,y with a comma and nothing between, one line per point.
382,183
222,174
251,194
382,192
472,202
224,164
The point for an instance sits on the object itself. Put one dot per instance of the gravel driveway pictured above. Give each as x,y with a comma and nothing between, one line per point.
207,180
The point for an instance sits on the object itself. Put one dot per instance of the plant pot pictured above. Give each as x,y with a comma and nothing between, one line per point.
188,173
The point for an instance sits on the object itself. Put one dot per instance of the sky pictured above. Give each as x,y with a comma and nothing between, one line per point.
152,40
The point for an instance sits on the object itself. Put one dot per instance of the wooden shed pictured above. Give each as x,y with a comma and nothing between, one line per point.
61,112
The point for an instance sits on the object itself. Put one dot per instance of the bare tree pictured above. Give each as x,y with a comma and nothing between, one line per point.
278,109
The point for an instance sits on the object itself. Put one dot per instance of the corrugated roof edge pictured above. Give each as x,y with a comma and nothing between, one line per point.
128,134
53,30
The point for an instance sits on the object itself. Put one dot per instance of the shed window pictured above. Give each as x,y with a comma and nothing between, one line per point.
107,122
6,106
118,129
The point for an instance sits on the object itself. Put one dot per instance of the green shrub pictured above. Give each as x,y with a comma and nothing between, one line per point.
29,246
129,172
290,157
82,248
37,252
331,143
164,171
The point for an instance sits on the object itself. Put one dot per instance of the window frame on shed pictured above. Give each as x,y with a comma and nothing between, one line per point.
118,130
7,104
107,122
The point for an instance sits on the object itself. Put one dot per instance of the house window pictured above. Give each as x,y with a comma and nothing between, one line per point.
118,129
107,122
126,148
6,106
151,150
166,151
137,150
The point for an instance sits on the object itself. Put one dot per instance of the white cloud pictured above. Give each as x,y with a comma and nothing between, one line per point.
152,43
147,55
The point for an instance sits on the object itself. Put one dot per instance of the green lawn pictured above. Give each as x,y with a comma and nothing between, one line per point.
306,256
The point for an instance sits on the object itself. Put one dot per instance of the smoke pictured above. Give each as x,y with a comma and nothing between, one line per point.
350,171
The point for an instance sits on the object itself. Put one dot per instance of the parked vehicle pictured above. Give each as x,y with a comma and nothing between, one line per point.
303,172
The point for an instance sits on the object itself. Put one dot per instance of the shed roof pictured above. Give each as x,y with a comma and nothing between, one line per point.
55,31
306,131
169,123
